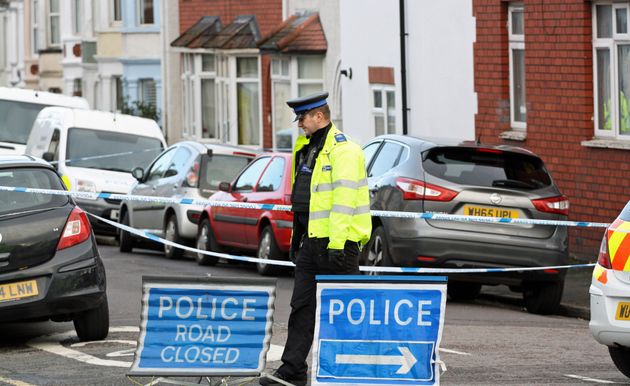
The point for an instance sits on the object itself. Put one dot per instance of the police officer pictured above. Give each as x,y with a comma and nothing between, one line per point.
331,221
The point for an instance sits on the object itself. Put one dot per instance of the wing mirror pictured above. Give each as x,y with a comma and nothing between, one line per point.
138,173
224,187
48,156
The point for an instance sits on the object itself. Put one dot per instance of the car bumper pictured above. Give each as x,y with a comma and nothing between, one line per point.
435,252
71,282
108,209
604,301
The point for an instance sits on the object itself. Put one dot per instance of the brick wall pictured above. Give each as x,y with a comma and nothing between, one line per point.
559,95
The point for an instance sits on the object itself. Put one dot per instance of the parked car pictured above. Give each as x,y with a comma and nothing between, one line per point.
19,108
53,270
185,170
267,180
95,151
415,175
610,292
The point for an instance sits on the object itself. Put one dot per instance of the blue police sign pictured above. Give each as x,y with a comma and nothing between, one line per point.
378,330
204,326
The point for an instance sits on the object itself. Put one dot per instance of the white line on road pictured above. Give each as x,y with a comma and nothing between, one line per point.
14,382
454,351
587,379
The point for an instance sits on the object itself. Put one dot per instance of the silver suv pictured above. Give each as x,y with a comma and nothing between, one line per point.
415,175
186,169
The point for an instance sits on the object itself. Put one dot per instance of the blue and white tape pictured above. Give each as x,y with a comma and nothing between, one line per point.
287,208
284,263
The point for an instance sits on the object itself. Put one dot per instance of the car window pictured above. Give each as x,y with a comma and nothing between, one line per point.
12,202
160,165
487,167
178,162
220,168
249,177
625,213
386,159
369,152
53,146
272,177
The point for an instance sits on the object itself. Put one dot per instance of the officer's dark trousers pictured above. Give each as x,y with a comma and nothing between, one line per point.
312,259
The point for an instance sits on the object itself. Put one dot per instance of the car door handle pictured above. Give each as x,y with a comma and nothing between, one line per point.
174,186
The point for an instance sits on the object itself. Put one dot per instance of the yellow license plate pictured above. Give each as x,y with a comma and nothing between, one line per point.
623,311
488,211
19,290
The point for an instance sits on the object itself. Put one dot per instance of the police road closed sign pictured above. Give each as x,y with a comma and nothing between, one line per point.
204,326
378,330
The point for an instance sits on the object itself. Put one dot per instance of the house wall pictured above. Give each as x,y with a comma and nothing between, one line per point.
559,100
171,92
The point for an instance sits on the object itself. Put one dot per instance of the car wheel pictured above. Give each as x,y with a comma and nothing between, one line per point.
463,292
621,358
125,243
375,253
206,242
93,324
268,250
542,298
171,233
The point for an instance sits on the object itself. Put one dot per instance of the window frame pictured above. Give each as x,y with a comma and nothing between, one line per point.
515,42
280,78
141,11
383,89
35,28
114,4
200,76
77,10
143,84
611,44
52,15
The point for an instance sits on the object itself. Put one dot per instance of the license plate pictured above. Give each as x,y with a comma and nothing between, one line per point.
623,311
113,214
19,290
488,211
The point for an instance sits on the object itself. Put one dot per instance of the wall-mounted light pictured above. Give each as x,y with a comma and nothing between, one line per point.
347,72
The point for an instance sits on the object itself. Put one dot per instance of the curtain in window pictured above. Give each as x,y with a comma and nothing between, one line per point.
248,113
520,112
282,115
391,112
208,109
604,107
624,89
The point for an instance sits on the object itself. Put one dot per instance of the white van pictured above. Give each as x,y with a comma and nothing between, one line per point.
95,151
18,109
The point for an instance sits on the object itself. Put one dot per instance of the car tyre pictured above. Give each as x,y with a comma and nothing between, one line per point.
93,324
542,298
463,292
621,358
206,242
376,252
268,250
125,243
171,233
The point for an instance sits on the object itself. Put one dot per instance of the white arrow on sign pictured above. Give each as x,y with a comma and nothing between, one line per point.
406,360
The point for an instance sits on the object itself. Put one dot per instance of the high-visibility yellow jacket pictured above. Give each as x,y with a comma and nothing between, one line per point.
340,203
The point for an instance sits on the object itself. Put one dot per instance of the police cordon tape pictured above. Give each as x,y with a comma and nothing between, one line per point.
287,208
155,238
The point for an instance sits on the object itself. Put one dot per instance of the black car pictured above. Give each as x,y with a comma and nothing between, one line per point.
50,267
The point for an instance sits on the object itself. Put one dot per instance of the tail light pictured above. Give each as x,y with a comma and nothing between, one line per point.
419,190
603,258
192,178
76,231
557,205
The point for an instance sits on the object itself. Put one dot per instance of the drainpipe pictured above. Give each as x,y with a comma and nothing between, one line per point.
403,66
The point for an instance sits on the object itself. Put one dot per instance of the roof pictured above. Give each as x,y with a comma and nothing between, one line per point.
243,32
298,34
42,97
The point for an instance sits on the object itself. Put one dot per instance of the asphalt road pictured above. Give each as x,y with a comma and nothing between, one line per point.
491,341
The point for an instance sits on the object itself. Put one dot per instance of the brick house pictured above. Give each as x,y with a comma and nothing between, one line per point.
552,77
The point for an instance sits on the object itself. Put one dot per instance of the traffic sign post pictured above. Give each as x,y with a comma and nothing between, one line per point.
378,330
202,326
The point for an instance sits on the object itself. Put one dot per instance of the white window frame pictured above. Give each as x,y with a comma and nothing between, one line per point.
516,42
204,75
3,43
280,78
112,8
35,21
611,44
235,80
300,81
52,15
188,79
77,10
141,5
382,111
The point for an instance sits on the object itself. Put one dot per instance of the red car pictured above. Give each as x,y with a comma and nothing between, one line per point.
266,180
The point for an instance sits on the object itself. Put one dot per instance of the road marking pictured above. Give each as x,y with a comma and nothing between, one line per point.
587,379
14,382
454,351
52,344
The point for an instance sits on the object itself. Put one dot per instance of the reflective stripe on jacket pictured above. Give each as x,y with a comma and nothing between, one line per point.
340,203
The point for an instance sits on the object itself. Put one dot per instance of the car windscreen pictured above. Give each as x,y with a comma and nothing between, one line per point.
99,149
220,168
625,213
486,167
16,202
16,120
